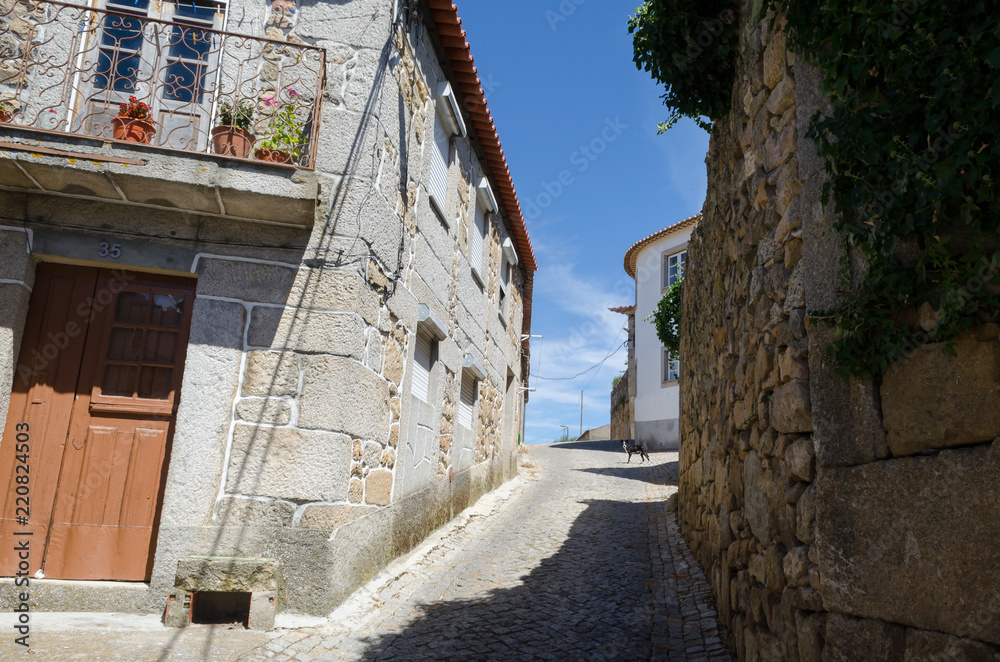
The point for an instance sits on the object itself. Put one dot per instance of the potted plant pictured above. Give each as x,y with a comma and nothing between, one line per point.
233,137
133,123
285,135
7,109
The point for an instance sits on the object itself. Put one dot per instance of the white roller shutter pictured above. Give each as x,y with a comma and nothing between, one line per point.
467,401
440,151
476,243
422,366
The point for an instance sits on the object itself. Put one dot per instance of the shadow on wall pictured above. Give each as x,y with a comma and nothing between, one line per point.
590,600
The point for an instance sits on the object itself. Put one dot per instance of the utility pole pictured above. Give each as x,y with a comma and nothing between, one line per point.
581,413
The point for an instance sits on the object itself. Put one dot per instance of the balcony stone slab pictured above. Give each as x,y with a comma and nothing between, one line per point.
157,178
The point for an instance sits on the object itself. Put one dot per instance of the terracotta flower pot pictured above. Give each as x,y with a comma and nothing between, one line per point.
5,116
273,155
132,130
232,141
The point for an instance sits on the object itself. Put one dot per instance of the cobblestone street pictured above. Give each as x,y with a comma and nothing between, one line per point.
577,559
581,561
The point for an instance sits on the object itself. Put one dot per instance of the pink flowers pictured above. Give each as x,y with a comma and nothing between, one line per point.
269,101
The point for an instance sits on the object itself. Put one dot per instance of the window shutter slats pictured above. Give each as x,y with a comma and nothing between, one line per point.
421,366
467,402
439,165
476,243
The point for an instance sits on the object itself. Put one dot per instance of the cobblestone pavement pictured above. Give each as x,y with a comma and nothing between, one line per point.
577,559
582,561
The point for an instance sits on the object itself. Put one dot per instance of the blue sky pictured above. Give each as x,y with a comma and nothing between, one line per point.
578,125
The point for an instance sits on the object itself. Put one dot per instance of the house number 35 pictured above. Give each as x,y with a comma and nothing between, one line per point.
113,251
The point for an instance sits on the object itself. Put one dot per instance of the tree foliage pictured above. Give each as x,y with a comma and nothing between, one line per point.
691,48
911,146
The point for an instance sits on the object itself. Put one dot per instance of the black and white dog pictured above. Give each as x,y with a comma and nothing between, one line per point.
631,447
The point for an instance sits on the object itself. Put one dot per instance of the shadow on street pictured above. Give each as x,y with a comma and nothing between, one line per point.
590,601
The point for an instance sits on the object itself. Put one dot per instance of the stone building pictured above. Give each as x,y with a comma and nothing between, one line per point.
623,393
655,263
837,520
307,363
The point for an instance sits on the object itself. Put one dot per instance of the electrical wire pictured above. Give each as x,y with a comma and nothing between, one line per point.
615,348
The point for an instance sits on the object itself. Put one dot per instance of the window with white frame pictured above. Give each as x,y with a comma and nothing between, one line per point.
423,361
440,157
467,400
671,367
673,268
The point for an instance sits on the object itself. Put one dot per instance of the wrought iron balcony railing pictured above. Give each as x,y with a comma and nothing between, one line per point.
73,69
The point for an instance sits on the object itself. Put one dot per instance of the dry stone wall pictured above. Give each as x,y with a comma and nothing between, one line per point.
828,514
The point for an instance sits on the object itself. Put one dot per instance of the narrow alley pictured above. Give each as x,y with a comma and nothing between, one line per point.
578,559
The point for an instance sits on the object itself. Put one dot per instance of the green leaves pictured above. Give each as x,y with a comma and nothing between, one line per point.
690,47
667,319
911,151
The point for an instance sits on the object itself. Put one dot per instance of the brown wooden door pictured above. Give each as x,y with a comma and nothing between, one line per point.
99,519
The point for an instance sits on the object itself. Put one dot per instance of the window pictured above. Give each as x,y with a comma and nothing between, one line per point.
467,401
476,240
673,268
423,360
504,285
440,156
172,67
671,368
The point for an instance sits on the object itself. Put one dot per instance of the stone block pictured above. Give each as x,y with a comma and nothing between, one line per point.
269,411
897,539
847,425
935,400
378,487
328,518
246,281
233,511
796,566
756,500
298,465
851,639
801,459
810,629
213,573
326,289
924,646
311,332
395,362
271,373
790,408
774,59
342,395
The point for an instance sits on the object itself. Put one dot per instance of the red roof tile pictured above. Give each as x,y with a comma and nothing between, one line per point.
463,72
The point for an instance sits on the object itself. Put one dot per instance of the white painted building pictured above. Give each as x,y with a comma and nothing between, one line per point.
655,263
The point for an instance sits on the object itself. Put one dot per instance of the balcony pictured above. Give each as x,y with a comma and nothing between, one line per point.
66,71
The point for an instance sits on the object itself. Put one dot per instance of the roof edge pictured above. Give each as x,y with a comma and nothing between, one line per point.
632,254
458,54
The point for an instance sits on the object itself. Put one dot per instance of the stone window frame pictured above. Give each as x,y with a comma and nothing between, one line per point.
447,116
432,328
508,260
669,368
487,202
675,251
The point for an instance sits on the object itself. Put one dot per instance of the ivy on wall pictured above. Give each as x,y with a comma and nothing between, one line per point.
912,151
667,319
